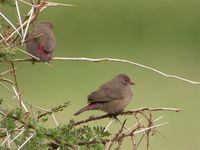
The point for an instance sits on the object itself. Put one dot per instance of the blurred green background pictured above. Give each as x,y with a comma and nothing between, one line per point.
164,34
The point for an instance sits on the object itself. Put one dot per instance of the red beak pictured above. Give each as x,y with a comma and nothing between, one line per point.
132,83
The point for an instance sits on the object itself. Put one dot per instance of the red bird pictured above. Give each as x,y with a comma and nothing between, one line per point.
41,41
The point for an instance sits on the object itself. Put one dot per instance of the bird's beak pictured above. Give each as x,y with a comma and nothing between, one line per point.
132,83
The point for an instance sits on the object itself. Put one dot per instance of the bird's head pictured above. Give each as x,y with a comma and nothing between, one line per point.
124,79
47,24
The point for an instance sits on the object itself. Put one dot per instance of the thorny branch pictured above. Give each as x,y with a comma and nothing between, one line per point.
115,60
129,112
117,137
16,83
120,136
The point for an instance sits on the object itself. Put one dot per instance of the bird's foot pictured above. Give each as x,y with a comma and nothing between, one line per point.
113,115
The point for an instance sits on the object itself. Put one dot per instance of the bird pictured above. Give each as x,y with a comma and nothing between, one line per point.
111,97
41,41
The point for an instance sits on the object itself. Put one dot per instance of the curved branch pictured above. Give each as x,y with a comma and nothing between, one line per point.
6,80
114,60
129,112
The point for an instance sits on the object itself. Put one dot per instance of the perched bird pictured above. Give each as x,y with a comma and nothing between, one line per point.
41,42
111,97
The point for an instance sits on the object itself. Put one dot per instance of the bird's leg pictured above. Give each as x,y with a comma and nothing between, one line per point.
33,61
114,115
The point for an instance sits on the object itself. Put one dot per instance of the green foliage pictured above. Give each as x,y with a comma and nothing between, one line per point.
18,113
86,133
60,107
43,116
93,147
70,134
100,131
45,138
8,123
7,53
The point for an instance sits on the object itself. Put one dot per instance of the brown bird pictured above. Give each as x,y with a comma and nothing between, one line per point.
41,41
111,97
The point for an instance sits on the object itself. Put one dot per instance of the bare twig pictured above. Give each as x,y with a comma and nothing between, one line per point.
108,145
7,71
120,131
135,125
116,60
133,143
155,120
17,91
22,131
58,4
3,39
39,108
155,126
10,23
19,17
27,3
103,141
6,80
28,54
133,63
7,139
31,16
142,130
9,90
30,137
106,128
150,109
28,23
54,118
16,83
91,118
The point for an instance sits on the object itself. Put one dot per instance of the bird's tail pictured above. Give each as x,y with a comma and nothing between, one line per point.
90,106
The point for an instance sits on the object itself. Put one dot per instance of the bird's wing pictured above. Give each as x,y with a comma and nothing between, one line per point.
48,42
104,95
45,39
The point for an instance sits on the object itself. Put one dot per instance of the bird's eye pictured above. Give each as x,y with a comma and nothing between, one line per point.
126,80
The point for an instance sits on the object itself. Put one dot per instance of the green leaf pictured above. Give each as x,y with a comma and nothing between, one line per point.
8,123
7,53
